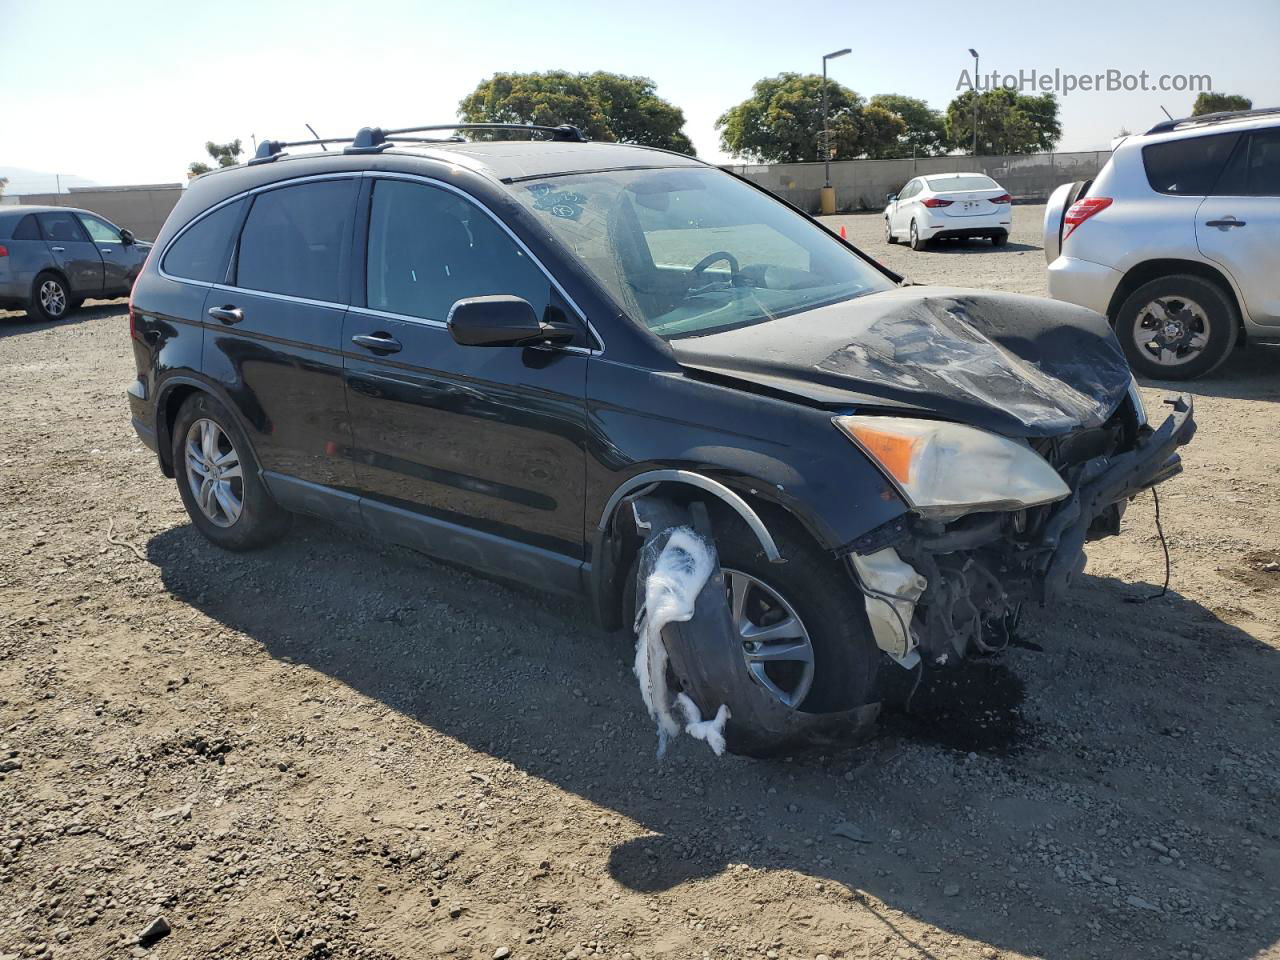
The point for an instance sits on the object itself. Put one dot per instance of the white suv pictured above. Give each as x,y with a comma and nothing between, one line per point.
1177,241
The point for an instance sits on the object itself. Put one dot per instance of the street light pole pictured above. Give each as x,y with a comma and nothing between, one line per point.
828,204
974,53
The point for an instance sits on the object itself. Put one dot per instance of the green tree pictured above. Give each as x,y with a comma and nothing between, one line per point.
926,134
607,106
1008,122
782,122
1219,103
225,154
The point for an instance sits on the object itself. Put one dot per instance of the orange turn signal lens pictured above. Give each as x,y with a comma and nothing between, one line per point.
893,451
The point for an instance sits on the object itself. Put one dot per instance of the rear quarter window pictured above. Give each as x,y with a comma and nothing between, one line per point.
202,250
27,229
1187,167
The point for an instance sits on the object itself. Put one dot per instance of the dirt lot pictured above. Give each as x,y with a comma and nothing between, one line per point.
340,748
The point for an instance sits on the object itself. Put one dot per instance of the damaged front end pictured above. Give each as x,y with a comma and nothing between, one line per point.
944,582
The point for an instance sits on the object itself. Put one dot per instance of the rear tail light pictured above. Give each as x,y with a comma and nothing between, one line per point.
1081,211
935,202
1003,198
4,251
133,292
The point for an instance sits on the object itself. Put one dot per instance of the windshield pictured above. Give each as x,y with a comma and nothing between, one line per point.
963,182
689,252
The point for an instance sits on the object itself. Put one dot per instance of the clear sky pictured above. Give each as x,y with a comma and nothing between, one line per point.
128,92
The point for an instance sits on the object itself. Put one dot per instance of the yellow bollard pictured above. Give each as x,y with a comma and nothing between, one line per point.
827,205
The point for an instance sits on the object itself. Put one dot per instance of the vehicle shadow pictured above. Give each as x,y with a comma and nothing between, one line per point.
1014,820
16,323
978,246
1252,373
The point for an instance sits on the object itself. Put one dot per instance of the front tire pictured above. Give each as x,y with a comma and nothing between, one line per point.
50,299
806,641
1177,327
888,232
219,480
917,242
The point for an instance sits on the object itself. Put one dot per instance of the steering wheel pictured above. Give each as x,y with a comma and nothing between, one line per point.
700,267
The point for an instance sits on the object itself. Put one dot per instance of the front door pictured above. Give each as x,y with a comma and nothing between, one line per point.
462,450
120,261
1239,226
75,254
273,338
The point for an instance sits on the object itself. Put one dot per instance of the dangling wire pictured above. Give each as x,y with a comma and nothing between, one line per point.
1168,565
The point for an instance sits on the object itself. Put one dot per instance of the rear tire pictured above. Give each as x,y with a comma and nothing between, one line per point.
231,506
51,300
917,242
1000,239
1177,327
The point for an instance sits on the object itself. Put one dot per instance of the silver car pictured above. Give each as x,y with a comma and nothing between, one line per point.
54,258
1175,241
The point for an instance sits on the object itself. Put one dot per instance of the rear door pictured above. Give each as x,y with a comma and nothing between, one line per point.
1238,225
273,336
74,253
474,452
120,262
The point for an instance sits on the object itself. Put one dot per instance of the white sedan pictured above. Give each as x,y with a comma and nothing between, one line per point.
955,205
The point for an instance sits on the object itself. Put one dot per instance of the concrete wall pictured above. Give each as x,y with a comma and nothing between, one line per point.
863,184
141,209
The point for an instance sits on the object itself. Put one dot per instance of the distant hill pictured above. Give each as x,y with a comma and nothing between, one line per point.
22,180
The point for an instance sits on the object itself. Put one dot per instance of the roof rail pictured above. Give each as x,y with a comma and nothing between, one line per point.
376,139
1205,119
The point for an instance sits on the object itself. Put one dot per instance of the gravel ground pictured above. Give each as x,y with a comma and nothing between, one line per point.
340,748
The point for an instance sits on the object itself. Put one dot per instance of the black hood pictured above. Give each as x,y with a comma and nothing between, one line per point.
1020,366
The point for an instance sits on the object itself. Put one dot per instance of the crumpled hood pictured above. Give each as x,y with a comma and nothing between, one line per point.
1021,366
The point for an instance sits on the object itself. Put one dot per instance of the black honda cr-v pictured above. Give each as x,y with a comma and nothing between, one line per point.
531,357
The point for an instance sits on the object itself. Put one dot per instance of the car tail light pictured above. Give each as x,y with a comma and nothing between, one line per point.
1082,210
935,202
1003,198
4,251
133,316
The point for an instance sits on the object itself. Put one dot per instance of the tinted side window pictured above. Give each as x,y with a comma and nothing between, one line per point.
201,252
27,229
429,248
1187,167
1254,170
61,227
295,240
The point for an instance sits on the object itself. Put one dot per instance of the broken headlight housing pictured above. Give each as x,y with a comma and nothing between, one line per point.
947,470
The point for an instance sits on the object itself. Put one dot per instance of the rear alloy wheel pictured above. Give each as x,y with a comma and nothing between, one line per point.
49,297
888,232
916,242
1177,327
218,478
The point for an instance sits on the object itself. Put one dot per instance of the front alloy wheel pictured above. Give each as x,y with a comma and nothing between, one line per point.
214,473
775,643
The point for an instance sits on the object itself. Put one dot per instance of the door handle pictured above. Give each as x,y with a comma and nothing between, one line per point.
378,342
1224,224
106,249
227,314
58,249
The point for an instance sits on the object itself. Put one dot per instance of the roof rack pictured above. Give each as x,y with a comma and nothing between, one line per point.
376,139
1164,126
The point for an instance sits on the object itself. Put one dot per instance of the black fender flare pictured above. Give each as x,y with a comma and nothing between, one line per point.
175,381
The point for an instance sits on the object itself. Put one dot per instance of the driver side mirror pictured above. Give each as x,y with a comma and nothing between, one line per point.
502,321
126,237
889,198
